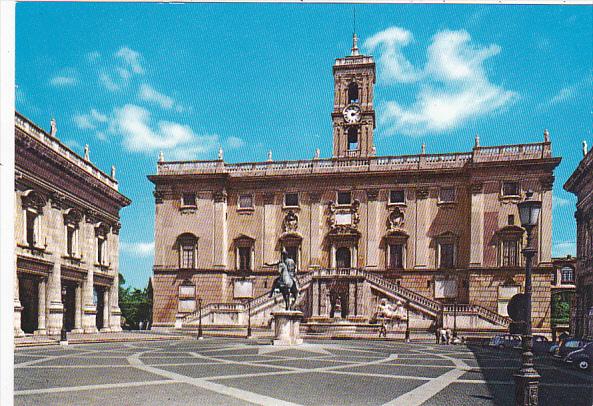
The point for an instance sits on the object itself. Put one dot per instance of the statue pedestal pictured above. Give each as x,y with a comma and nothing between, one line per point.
286,327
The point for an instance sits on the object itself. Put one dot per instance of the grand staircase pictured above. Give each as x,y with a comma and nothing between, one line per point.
260,308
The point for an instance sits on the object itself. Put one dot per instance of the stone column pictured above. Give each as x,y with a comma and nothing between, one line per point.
77,309
41,314
477,225
315,297
269,228
373,229
423,221
55,308
106,311
115,317
89,310
220,230
18,331
545,223
316,228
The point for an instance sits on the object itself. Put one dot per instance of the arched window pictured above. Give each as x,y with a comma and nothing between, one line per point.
101,234
33,204
187,244
72,219
352,138
244,253
353,93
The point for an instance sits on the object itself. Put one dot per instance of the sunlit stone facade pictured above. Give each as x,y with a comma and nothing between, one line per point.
438,231
67,237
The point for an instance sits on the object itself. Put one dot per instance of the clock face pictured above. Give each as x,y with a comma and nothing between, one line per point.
352,114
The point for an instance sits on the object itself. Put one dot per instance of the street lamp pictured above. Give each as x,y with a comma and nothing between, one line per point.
455,317
248,318
200,332
527,378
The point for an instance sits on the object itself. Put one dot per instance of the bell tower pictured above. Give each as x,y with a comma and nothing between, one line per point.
353,115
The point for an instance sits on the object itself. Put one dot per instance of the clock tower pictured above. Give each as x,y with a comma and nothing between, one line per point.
353,115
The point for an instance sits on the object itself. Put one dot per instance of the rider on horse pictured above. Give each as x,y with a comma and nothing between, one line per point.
286,264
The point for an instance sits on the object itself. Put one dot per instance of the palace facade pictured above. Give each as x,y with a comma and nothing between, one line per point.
67,237
436,233
581,184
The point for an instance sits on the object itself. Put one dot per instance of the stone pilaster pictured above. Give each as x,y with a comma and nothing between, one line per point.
55,308
106,311
545,223
41,309
115,316
89,310
374,231
78,309
220,230
18,308
423,220
477,225
269,229
315,241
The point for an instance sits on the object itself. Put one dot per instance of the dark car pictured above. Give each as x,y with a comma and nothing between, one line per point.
570,345
505,341
582,358
541,344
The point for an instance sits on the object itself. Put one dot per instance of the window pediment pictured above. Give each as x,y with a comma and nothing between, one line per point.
510,232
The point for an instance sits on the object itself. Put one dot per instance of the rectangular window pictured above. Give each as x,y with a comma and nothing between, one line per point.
447,255
511,220
31,236
510,188
188,257
100,250
188,199
567,275
344,198
510,253
291,199
244,258
397,196
70,240
447,195
245,201
396,256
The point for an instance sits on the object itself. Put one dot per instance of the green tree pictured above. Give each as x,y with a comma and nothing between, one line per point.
135,305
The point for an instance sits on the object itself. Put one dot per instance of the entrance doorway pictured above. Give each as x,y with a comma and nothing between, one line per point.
343,258
69,301
98,292
29,297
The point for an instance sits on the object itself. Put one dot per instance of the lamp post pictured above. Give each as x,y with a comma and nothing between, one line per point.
248,318
527,378
407,321
200,332
455,317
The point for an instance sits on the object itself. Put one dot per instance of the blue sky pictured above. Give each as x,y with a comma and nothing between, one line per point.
133,79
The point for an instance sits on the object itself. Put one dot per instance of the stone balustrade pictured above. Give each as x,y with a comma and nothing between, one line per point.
31,129
371,164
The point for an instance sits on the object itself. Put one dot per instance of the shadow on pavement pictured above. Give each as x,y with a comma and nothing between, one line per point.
560,384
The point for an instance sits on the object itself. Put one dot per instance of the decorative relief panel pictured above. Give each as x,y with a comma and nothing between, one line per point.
291,222
343,219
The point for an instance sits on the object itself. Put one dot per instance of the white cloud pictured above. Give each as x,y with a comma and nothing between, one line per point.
564,248
139,249
233,142
131,58
106,80
93,56
67,77
560,201
90,121
452,86
178,141
150,94
564,94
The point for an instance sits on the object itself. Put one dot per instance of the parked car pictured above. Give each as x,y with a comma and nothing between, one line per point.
539,344
570,345
582,358
505,341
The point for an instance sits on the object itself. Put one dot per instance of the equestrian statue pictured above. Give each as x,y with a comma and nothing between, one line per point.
287,282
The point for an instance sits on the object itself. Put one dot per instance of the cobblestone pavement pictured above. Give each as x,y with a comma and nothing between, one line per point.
219,371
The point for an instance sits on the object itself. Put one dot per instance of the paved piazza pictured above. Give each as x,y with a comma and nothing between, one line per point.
237,372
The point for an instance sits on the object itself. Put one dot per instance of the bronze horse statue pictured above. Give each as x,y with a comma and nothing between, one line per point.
286,283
